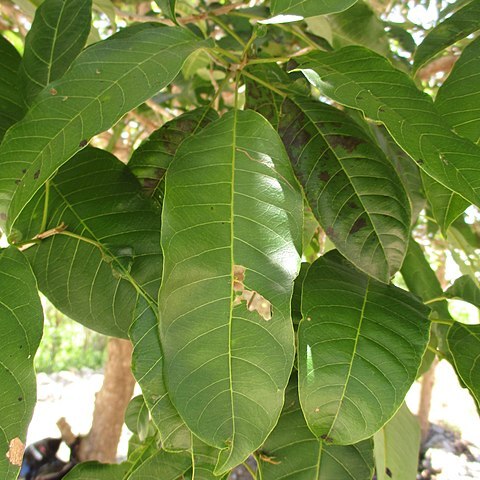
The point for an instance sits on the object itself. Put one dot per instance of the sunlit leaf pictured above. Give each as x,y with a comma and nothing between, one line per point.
104,82
461,24
364,80
397,447
58,34
309,8
293,452
232,226
361,343
21,319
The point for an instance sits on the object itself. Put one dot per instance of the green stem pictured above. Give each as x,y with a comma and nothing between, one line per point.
434,300
443,322
250,470
227,54
253,61
43,226
227,29
265,84
79,237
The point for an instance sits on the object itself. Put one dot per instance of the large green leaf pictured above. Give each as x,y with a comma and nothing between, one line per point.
11,102
352,188
360,345
464,345
97,471
466,289
397,446
231,237
364,80
147,367
58,34
21,321
293,452
461,24
114,257
309,8
150,160
105,81
458,99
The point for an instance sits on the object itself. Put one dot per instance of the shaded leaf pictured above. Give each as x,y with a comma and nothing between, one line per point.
353,190
96,277
231,200
397,447
150,160
309,8
168,8
11,101
137,417
104,82
464,288
204,461
58,34
464,345
147,367
361,79
293,452
21,317
361,344
461,24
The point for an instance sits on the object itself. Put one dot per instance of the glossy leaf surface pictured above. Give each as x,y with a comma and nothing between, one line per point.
104,82
231,237
361,344
11,101
58,34
397,446
352,188
461,24
292,452
464,345
147,367
309,8
114,255
21,319
361,79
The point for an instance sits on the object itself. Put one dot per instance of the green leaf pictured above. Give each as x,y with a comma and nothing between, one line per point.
137,417
461,24
359,25
204,459
293,452
147,367
458,99
150,160
397,446
464,288
352,188
11,101
114,256
21,317
58,34
232,228
104,82
360,345
168,8
464,345
97,471
361,79
309,8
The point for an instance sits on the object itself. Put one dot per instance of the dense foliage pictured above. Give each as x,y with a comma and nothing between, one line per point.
254,136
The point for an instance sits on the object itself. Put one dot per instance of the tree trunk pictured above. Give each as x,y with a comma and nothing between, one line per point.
110,404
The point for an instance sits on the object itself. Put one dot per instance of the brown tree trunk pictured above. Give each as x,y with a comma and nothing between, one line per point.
428,381
110,404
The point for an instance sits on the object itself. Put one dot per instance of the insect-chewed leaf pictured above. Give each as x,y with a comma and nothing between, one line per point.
147,367
231,200
95,276
461,24
150,160
105,81
293,452
21,318
58,34
464,346
366,81
352,188
397,446
361,344
309,8
11,101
